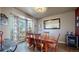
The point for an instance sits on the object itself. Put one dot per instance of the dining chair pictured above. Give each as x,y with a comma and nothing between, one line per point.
38,42
54,45
44,36
1,39
1,34
9,45
28,39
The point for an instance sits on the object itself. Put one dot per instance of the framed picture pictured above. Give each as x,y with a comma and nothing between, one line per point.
52,24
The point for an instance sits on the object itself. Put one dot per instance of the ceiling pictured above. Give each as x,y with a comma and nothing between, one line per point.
50,11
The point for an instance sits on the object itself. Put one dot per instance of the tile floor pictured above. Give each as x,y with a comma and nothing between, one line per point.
22,47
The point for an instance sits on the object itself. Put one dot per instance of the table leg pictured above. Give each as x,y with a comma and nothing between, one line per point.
46,48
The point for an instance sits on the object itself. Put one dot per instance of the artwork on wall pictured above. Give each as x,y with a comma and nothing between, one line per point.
52,24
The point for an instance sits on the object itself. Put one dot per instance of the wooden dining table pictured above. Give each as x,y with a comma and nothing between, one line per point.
45,41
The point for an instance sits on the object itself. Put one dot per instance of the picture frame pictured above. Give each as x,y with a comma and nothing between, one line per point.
52,24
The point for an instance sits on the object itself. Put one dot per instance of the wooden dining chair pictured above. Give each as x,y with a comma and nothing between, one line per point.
28,39
38,42
45,35
54,45
1,39
1,35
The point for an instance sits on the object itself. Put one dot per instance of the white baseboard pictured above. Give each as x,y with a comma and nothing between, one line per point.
61,42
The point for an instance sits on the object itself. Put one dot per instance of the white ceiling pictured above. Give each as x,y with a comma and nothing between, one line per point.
50,11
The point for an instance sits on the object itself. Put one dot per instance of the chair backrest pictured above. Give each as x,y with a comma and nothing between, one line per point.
30,34
46,35
37,35
57,39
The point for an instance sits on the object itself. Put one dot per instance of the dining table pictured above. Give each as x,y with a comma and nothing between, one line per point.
42,39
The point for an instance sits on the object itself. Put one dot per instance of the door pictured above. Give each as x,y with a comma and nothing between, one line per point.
21,30
17,27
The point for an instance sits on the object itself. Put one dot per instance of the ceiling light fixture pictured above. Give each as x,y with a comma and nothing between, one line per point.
40,9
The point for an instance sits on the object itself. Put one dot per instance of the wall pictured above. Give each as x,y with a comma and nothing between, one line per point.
67,24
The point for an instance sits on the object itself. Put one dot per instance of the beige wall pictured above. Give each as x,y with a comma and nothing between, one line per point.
67,24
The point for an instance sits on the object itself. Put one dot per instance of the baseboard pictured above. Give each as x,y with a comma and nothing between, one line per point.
61,42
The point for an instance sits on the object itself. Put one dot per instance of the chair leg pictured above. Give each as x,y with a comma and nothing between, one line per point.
35,48
56,48
41,49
